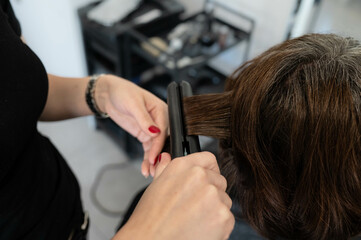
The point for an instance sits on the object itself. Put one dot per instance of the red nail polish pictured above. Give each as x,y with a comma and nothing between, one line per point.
160,157
155,160
153,129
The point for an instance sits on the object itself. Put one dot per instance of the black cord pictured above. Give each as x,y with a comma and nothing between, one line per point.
94,187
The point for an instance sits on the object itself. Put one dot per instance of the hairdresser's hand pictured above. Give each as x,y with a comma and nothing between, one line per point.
186,200
137,111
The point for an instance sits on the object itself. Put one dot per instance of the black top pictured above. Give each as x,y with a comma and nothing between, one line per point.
39,195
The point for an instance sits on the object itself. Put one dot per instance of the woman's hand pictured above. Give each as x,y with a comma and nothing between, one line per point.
186,200
138,112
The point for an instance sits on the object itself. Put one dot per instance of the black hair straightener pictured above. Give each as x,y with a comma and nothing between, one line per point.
181,144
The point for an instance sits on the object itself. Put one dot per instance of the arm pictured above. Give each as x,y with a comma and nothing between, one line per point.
134,109
66,98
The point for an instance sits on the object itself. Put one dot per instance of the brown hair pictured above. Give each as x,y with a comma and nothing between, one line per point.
290,137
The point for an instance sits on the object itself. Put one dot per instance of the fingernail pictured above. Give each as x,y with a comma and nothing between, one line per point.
160,157
153,129
155,160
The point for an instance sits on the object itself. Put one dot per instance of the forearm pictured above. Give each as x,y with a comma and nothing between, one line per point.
124,234
66,98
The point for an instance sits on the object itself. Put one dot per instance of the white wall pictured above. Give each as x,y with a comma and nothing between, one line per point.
342,17
51,29
272,19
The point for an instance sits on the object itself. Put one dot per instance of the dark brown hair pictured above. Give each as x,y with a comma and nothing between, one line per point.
290,137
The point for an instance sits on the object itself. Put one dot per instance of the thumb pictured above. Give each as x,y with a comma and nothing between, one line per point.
145,121
149,127
163,161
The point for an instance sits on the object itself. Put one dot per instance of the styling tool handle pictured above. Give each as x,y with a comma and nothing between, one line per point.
181,144
175,121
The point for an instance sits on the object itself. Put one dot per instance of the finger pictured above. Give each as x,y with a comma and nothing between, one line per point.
124,121
217,180
203,159
225,199
145,168
163,161
144,119
157,146
143,137
130,125
152,168
229,226
161,118
146,147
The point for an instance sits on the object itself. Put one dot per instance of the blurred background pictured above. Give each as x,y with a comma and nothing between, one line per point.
154,42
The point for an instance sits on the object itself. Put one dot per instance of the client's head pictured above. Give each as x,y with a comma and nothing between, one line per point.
289,124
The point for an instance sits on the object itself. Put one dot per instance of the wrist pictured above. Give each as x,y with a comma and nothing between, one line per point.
96,95
136,230
127,232
101,94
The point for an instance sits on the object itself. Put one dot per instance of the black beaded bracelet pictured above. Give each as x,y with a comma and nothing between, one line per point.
89,96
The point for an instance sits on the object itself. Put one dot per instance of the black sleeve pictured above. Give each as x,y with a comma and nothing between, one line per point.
8,10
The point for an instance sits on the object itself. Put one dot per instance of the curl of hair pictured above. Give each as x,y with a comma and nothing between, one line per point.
291,146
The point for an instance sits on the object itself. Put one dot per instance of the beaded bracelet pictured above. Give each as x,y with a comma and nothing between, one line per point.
90,99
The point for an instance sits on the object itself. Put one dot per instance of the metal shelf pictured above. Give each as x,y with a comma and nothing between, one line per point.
172,63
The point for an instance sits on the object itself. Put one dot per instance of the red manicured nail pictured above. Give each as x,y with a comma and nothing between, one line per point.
155,160
153,129
160,157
